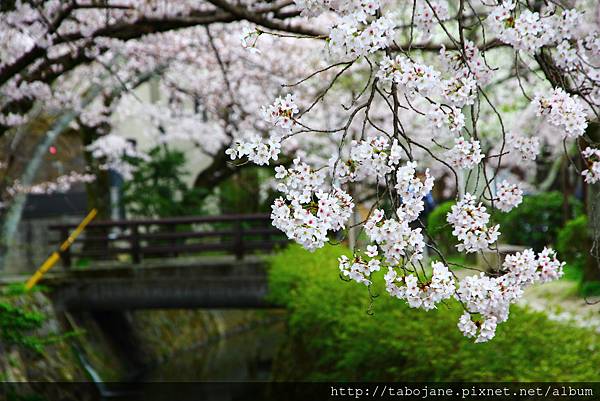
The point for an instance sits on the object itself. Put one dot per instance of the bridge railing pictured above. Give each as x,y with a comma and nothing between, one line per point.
163,238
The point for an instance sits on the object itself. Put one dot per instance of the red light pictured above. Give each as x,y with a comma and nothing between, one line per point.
52,150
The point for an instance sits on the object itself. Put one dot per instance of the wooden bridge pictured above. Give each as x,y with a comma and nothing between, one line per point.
186,262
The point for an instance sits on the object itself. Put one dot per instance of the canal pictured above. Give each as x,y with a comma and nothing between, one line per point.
227,368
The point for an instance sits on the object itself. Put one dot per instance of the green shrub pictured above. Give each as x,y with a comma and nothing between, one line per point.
334,338
573,245
440,230
18,323
158,188
536,222
573,242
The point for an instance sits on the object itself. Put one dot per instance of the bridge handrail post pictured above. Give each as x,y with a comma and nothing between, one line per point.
135,244
238,240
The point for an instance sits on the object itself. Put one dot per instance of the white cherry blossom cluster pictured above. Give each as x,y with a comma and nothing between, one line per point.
483,295
249,37
355,36
414,78
281,112
567,23
509,196
520,271
460,91
527,148
468,64
526,268
451,117
412,191
491,297
529,31
258,150
562,110
592,42
465,154
421,295
373,157
428,14
484,330
300,181
14,90
549,268
526,32
62,184
12,119
343,7
592,157
398,241
307,213
116,152
566,56
469,221
410,76
359,269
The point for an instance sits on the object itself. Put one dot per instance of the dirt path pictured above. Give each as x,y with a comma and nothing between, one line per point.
560,302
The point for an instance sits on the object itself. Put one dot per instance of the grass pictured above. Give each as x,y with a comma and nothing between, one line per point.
334,338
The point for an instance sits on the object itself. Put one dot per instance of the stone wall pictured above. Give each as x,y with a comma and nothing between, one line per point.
97,340
33,243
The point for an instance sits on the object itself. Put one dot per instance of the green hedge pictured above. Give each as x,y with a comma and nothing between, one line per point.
332,337
536,222
573,241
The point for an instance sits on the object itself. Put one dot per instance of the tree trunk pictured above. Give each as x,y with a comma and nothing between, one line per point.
591,270
98,191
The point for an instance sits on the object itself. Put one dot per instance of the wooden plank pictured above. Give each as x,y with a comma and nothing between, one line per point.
190,248
172,221
247,233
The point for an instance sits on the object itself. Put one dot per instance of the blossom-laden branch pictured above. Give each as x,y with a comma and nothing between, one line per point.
456,114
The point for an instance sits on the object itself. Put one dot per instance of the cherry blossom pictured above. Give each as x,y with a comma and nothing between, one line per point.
469,221
442,117
425,295
416,115
398,241
355,37
592,157
412,191
530,31
528,148
116,152
468,64
427,15
358,269
374,157
63,183
281,113
257,150
509,196
465,154
412,77
491,297
562,110
307,213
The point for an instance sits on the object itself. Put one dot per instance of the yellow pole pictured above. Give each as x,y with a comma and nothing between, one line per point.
55,256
